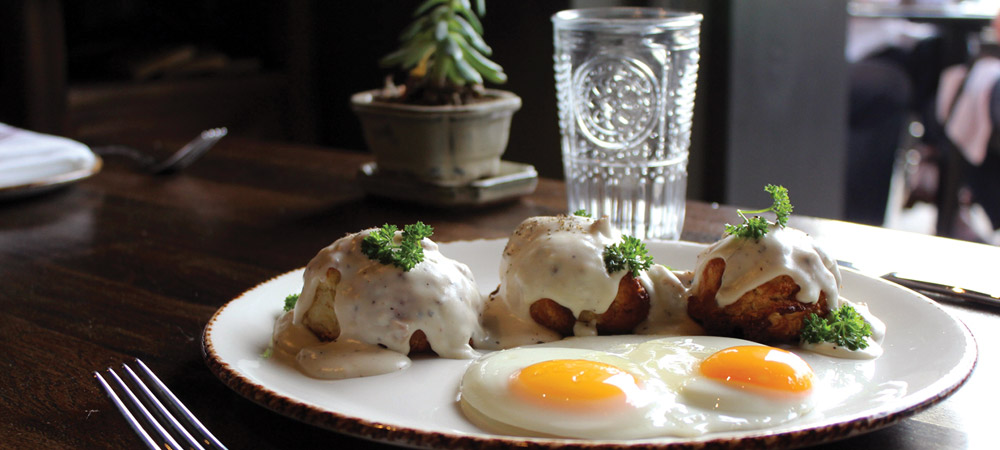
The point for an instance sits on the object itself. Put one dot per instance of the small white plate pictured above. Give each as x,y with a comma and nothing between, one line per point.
78,171
418,407
32,163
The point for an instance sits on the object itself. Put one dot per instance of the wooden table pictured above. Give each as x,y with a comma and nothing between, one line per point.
125,264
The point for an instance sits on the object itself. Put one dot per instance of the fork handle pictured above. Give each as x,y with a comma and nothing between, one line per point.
142,159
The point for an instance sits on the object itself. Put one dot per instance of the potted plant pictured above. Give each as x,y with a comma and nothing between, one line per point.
442,126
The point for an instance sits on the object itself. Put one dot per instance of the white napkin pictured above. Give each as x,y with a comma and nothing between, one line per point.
27,157
969,126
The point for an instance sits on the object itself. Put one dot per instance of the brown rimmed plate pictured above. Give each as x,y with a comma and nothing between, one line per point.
239,333
67,173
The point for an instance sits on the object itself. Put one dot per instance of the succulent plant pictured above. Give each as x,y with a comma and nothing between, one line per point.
445,54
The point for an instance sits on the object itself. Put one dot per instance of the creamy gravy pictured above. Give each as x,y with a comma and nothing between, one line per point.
782,251
555,257
335,360
378,307
561,258
667,303
787,251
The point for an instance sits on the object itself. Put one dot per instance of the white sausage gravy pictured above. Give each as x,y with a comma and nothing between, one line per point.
372,309
786,251
561,258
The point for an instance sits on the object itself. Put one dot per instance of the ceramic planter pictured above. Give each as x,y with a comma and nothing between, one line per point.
441,145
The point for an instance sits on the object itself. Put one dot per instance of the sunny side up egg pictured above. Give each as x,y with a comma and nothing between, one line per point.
630,388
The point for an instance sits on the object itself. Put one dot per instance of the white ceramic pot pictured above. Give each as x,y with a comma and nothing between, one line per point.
442,145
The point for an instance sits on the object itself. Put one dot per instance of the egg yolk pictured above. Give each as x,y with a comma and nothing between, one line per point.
573,384
760,366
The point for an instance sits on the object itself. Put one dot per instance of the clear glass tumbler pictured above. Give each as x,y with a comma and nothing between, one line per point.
625,85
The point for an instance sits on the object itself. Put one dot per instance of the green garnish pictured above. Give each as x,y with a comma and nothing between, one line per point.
381,245
290,302
629,254
756,227
582,213
845,328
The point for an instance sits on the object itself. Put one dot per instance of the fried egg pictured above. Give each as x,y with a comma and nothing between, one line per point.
634,388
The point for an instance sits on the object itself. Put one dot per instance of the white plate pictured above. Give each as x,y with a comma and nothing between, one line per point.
32,163
71,172
417,407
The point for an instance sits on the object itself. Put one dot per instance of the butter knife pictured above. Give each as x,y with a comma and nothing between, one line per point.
951,292
936,290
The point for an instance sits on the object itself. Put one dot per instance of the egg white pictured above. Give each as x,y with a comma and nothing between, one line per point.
675,400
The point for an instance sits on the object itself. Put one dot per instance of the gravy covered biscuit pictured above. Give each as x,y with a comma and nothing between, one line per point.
773,284
763,289
370,293
570,275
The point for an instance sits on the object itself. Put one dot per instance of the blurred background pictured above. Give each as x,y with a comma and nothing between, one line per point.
773,101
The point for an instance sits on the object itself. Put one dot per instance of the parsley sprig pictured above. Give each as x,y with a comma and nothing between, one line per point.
290,302
756,227
845,327
630,254
582,213
380,245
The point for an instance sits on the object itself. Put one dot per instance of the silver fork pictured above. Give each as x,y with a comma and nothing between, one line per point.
177,161
166,425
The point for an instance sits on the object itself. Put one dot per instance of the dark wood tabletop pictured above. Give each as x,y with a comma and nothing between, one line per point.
125,265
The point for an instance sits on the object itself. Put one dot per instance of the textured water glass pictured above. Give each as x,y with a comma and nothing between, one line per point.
625,85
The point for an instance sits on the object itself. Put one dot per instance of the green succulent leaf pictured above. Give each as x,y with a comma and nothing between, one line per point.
488,69
414,28
418,52
454,74
441,31
472,18
426,6
447,36
441,13
463,7
463,27
408,56
441,69
451,47
467,71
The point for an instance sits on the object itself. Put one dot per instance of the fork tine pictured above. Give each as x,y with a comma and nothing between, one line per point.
132,422
190,152
172,402
137,406
161,410
207,141
211,137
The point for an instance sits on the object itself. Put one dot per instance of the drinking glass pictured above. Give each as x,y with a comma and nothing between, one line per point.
625,85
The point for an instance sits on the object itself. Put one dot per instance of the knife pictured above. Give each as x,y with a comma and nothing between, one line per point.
936,290
954,292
